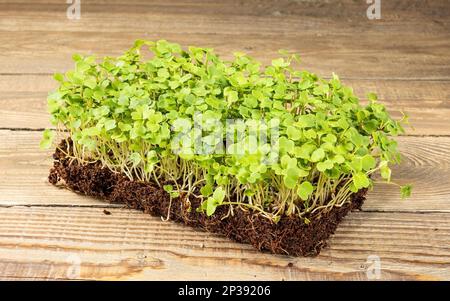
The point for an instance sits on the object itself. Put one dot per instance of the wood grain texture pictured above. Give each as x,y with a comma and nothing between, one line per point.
285,16
24,173
426,165
404,57
39,38
24,101
366,57
49,242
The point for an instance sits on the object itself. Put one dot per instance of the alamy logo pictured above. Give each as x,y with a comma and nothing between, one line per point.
206,135
374,9
74,269
74,10
373,267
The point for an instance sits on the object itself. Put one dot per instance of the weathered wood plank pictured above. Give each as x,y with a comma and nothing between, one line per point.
23,99
284,14
50,242
161,20
410,41
426,165
372,54
41,238
24,171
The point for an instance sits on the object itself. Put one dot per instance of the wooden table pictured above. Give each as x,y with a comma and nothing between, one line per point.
51,233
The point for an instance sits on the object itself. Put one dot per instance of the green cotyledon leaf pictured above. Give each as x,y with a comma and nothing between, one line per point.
360,180
406,191
304,190
47,139
317,155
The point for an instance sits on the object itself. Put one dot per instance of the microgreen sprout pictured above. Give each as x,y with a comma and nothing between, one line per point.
231,133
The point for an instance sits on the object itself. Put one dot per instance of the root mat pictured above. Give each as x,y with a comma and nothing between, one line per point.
289,236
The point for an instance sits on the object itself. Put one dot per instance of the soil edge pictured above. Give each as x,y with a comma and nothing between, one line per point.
290,236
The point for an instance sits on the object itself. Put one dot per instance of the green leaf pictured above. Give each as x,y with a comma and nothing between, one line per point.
55,102
322,166
135,159
289,182
339,159
317,155
91,131
304,151
286,145
370,125
310,134
305,121
372,96
219,195
356,164
406,191
77,57
89,143
214,201
110,124
124,127
182,125
168,188
385,172
232,96
211,206
293,133
163,73
287,161
292,175
47,139
90,82
368,162
280,62
360,180
206,190
343,123
330,138
59,77
304,190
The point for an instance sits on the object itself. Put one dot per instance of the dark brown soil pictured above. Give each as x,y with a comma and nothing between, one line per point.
289,236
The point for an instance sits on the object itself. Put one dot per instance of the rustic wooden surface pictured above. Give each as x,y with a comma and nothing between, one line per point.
51,233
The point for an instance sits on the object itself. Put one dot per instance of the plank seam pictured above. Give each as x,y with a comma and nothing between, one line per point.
118,206
22,129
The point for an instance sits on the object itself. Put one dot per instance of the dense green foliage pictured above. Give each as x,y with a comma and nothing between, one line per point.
299,144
